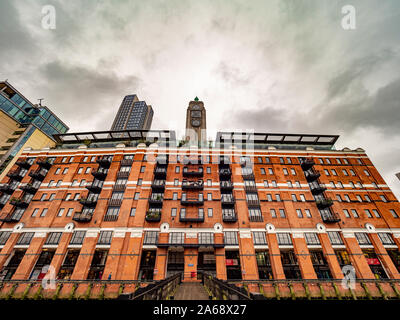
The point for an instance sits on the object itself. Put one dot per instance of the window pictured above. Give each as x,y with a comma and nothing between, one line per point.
68,197
139,182
259,237
294,198
125,169
298,185
176,182
112,212
60,212
284,238
77,237
43,197
359,198
285,172
346,213
274,183
299,213
53,238
376,213
142,169
328,161
367,198
209,182
58,183
117,195
80,170
25,238
332,184
289,160
362,238
150,237
281,160
208,169
230,237
52,196
266,183
347,198
352,172
394,214
326,172
71,159
293,171
278,197
85,159
352,184
74,183
206,238
282,213
374,185
345,172
267,160
34,213
176,237
70,211
368,213
386,238
133,212
270,171
51,182
136,197
259,159
209,196
105,237
64,159
255,212
4,235
359,161
175,196
93,159
383,198
173,212
355,213
273,213
345,161
334,172
57,171
321,161
289,184
339,198
121,181
308,213
83,182
262,170
335,238
338,161
87,170
177,169
311,238
366,173
210,212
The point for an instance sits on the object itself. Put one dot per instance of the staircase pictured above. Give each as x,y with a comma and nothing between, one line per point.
191,291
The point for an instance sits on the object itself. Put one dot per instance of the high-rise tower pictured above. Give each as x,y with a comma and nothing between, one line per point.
196,123
133,115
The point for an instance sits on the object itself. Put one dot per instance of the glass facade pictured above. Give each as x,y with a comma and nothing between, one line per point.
133,115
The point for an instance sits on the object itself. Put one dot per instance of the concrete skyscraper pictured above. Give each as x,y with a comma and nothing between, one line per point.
133,115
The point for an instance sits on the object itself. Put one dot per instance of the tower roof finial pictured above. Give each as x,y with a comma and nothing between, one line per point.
196,99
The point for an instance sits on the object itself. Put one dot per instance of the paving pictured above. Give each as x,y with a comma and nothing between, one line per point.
191,291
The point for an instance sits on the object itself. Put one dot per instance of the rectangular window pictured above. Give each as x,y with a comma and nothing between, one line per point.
142,169
77,237
308,213
346,213
44,212
335,238
4,235
267,160
175,196
133,212
299,213
259,238
173,212
177,237
334,172
266,183
376,213
139,183
339,198
282,213
176,182
177,169
262,170
53,238
105,237
52,196
278,197
368,213
285,172
208,169
362,238
394,213
326,172
230,238
274,183
57,171
355,213
386,238
270,171
294,198
284,238
80,170
68,196
87,170
383,198
209,196
206,238
137,195
273,213
311,238
35,212
25,238
43,197
345,172
112,212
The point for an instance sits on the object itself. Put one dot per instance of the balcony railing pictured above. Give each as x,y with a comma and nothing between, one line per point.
253,202
39,174
307,164
184,217
29,188
192,172
88,202
44,163
160,172
157,200
153,216
15,175
311,175
9,217
110,217
82,217
192,160
256,218
104,162
248,188
329,217
126,162
19,202
99,174
94,187
192,185
324,203
227,201
119,187
224,162
226,185
123,174
229,218
6,188
248,176
225,172
158,185
317,188
115,202
23,163
192,201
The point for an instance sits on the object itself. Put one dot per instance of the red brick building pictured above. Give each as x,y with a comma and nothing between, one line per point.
106,205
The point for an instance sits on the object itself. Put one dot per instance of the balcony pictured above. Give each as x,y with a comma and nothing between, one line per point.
44,163
23,163
324,203
192,172
329,217
99,174
192,201
224,162
88,202
192,160
249,188
160,172
226,185
6,188
183,217
312,175
225,173
119,187
29,188
110,217
19,202
82,217
248,176
153,216
317,188
307,164
158,185
252,203
115,202
229,218
38,174
9,217
126,162
94,187
156,200
123,174
228,201
162,160
256,219
104,162
245,163
192,185
15,175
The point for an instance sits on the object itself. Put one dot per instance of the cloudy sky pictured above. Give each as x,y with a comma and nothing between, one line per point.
272,66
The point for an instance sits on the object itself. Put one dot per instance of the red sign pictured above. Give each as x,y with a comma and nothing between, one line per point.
373,261
231,262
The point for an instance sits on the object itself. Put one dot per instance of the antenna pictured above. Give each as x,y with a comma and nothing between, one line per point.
40,101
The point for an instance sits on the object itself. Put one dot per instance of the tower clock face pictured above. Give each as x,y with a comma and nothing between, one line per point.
196,107
195,122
